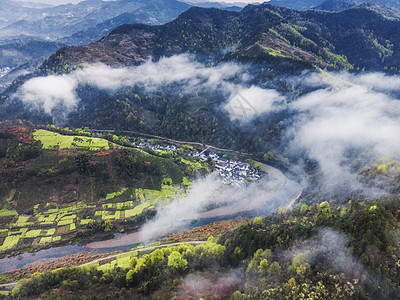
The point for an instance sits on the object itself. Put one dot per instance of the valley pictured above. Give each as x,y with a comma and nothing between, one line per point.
172,150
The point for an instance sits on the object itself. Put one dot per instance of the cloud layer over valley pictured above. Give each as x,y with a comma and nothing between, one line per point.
340,120
347,117
263,197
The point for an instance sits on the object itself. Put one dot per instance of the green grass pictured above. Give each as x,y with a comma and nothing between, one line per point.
46,239
50,232
70,217
57,238
65,222
72,226
186,182
100,213
51,139
168,192
21,232
193,164
9,243
22,220
123,205
136,210
104,267
124,260
5,293
115,194
85,221
47,220
8,213
33,233
92,265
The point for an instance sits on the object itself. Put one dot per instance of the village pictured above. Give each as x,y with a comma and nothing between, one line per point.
233,172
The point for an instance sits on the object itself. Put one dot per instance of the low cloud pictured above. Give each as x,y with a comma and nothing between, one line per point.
331,246
50,92
245,102
259,198
340,120
337,126
252,102
59,91
209,285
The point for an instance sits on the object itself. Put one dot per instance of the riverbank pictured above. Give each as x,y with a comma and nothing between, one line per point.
90,255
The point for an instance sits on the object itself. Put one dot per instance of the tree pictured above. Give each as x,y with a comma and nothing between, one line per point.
107,226
176,261
274,269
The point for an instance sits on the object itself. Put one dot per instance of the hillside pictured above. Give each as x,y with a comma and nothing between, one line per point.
56,188
318,252
227,154
279,40
262,34
336,5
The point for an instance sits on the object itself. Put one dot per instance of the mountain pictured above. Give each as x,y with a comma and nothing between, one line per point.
11,11
23,55
20,50
336,5
276,41
65,20
78,168
43,29
98,31
236,6
361,37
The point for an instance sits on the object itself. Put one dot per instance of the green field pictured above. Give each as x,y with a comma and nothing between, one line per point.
168,192
33,233
195,165
58,200
51,139
9,243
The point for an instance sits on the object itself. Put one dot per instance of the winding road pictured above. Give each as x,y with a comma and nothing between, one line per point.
12,284
205,146
278,184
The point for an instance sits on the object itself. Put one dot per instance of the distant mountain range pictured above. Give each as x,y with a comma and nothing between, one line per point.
30,33
331,5
61,21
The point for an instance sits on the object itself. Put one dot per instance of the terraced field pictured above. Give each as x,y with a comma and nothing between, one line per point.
52,224
75,186
50,140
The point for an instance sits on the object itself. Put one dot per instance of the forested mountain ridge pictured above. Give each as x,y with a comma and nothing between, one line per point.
357,38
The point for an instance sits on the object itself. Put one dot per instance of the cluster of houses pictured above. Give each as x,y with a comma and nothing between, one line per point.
170,148
233,172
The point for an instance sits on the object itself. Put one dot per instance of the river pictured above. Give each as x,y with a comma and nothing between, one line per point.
281,190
